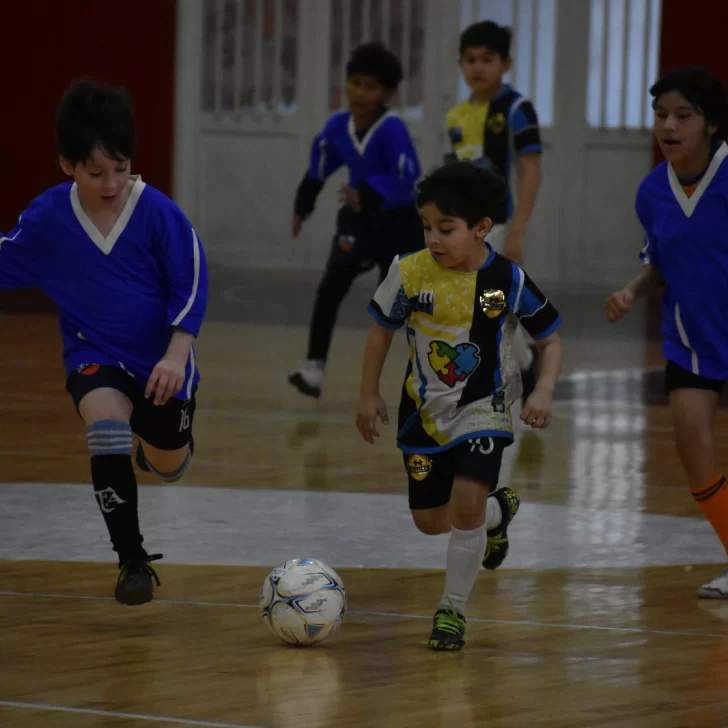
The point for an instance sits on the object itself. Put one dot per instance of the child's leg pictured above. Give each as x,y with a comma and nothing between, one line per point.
331,291
693,404
167,445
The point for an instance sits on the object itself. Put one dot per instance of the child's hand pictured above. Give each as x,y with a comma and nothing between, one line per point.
537,412
167,379
513,249
297,225
351,197
371,406
619,305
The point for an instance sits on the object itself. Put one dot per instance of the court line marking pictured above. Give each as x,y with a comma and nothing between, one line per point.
396,615
117,714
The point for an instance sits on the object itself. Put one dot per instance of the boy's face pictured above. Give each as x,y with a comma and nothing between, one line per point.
365,95
450,240
681,130
100,179
483,68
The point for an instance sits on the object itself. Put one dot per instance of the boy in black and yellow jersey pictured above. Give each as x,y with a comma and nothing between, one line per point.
498,127
454,298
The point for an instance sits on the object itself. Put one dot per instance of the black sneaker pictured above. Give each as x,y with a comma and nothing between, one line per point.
448,630
529,376
496,546
134,585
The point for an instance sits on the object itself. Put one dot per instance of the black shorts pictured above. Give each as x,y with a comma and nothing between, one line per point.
431,477
678,378
168,427
363,241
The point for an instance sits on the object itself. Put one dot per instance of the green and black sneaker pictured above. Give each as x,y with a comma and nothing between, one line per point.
496,547
134,585
448,630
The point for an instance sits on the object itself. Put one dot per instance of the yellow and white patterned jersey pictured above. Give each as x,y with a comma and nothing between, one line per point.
462,377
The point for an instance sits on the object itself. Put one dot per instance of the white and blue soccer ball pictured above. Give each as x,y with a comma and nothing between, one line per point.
303,601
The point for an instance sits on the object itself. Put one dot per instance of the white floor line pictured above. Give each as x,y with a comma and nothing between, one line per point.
22,705
399,615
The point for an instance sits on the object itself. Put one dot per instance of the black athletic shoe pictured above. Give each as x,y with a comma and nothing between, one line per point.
134,585
448,630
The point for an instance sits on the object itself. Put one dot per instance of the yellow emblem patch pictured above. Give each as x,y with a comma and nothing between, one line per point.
496,123
493,303
419,466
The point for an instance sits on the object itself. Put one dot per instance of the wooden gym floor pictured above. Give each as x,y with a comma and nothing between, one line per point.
592,621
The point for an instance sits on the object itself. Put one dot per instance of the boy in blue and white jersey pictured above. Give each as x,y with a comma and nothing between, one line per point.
128,273
683,207
379,218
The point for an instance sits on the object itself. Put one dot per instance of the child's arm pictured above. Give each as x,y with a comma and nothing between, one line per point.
371,404
390,308
325,160
183,262
537,412
540,319
527,143
19,257
620,303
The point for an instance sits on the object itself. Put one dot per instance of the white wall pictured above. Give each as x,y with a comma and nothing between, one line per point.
237,170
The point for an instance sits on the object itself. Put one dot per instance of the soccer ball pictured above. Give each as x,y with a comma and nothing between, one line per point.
303,601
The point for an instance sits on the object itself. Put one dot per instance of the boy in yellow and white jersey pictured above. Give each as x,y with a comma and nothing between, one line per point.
498,127
454,298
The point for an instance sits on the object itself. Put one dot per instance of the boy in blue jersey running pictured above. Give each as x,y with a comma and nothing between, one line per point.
128,273
454,298
379,218
498,127
683,207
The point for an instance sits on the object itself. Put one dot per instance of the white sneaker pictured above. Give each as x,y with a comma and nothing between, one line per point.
715,589
309,377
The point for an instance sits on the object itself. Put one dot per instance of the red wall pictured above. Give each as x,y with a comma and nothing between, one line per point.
48,43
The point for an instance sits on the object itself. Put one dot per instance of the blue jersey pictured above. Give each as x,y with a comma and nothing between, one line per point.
118,296
383,158
686,238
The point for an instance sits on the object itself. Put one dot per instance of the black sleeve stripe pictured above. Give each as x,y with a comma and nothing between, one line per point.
526,107
527,138
540,321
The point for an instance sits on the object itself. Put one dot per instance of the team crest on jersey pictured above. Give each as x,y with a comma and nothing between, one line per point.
453,364
493,303
419,466
496,123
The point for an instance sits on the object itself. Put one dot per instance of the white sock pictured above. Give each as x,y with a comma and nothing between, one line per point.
493,514
521,348
464,557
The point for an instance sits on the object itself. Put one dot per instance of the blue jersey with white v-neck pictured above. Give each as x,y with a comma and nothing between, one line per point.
119,296
384,158
686,237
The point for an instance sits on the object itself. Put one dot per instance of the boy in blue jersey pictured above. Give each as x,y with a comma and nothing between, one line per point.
379,217
455,298
128,273
683,207
497,126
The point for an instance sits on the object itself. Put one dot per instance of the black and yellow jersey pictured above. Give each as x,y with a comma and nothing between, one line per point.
491,133
462,377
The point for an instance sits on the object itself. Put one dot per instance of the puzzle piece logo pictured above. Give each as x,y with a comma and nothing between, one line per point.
453,364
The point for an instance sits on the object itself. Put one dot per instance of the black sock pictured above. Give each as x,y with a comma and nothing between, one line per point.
115,488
